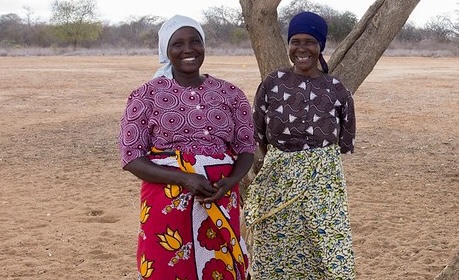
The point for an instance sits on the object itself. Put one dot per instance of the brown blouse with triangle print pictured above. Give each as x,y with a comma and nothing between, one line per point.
293,112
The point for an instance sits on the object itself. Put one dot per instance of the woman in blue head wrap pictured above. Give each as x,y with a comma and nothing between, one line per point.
296,208
189,137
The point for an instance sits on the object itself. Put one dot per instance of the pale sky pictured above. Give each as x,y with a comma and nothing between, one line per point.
117,11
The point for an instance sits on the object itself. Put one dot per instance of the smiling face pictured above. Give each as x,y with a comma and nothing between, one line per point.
186,51
304,51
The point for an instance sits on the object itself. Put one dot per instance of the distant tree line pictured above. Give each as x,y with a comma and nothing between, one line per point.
76,24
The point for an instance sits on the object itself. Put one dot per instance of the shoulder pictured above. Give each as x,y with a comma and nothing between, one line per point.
153,86
280,73
215,82
278,77
223,82
337,85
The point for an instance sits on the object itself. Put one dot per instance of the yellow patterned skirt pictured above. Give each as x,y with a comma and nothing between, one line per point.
297,214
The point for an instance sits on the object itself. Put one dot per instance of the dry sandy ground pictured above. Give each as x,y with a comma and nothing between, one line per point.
67,211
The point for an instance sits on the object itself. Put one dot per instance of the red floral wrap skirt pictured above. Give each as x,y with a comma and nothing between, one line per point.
180,238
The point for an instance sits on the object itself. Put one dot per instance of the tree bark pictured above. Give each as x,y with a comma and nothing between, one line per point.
352,61
451,271
261,21
355,57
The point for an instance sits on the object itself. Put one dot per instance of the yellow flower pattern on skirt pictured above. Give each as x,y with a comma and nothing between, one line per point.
183,239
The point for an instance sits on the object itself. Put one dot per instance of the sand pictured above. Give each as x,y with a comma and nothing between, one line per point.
68,211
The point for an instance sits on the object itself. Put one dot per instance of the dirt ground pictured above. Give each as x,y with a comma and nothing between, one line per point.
68,211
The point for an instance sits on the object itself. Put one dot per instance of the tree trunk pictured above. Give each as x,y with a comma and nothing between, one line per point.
270,50
355,57
451,271
352,61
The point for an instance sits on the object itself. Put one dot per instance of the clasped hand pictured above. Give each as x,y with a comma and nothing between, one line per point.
206,191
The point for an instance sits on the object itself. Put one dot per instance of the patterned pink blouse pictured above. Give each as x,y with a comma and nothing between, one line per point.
206,120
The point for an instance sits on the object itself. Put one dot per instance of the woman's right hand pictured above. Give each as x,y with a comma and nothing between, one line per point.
197,184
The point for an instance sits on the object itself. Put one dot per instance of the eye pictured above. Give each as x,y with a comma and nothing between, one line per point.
196,41
176,44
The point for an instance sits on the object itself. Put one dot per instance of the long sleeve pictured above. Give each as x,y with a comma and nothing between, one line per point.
348,125
259,115
134,137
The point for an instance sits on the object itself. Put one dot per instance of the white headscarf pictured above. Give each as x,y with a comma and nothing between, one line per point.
165,33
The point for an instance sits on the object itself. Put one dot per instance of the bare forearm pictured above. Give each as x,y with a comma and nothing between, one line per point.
263,149
242,165
145,170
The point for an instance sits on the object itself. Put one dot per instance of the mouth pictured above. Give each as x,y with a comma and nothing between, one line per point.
189,59
301,58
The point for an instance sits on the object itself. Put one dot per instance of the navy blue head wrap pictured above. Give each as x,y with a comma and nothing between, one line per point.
309,23
314,25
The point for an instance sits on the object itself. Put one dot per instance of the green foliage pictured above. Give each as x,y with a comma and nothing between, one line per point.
141,31
8,29
339,24
224,25
293,8
75,21
239,35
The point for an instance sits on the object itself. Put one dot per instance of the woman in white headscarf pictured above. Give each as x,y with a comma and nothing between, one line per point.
165,33
189,137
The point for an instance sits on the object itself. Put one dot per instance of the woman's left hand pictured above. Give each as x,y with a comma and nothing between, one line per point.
241,167
223,185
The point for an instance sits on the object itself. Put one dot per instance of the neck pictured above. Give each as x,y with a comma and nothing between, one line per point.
188,80
312,73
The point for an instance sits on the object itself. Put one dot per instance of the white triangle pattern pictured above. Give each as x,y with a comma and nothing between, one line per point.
312,96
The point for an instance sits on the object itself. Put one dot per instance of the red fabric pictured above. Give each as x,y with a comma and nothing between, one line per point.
177,239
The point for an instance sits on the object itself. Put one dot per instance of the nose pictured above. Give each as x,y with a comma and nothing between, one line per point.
187,47
302,47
